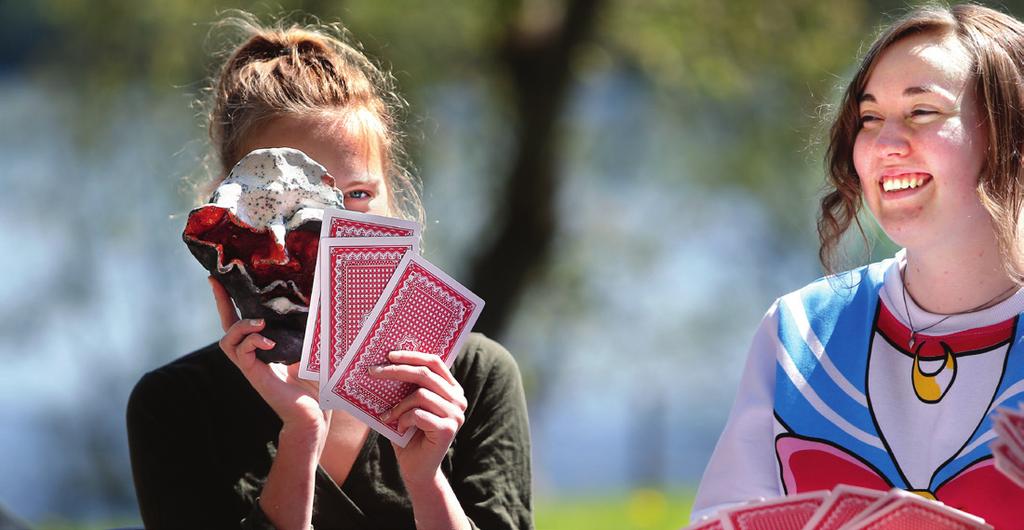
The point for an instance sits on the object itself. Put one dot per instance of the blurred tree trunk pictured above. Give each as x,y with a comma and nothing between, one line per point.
538,62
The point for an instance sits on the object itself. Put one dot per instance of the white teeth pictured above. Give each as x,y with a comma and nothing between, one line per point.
896,184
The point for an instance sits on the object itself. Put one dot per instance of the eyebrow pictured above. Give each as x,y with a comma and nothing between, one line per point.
359,181
909,91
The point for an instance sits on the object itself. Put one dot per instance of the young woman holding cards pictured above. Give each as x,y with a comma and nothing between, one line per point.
890,375
219,439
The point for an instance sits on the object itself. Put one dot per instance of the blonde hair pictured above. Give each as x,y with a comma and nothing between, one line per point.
995,43
291,69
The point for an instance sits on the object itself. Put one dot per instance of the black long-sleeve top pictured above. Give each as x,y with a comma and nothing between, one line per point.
201,442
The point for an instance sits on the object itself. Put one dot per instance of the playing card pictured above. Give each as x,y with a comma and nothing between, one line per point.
885,500
842,504
355,270
344,223
1007,461
422,309
1008,449
707,523
785,513
1009,425
913,512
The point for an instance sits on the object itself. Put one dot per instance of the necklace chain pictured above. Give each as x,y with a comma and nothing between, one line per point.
913,332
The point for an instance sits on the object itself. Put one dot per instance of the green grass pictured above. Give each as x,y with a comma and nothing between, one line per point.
642,509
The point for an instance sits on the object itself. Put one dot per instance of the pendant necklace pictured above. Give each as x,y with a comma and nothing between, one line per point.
913,332
931,387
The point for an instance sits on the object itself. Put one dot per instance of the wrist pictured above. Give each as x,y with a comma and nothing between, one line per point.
305,433
430,485
435,505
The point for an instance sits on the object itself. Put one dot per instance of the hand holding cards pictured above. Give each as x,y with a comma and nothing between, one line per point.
373,294
843,508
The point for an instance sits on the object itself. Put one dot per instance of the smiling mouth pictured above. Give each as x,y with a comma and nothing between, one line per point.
905,181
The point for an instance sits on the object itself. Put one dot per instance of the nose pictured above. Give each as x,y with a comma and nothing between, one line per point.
893,140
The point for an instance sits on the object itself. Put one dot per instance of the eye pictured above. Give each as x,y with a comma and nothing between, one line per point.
923,114
358,195
869,120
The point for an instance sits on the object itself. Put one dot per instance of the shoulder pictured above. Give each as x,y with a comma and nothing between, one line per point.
839,289
203,364
189,378
483,358
495,397
488,374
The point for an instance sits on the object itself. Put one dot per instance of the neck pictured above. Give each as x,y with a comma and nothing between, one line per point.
957,278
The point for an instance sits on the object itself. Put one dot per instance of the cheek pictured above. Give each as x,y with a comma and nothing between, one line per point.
862,159
958,160
962,156
380,205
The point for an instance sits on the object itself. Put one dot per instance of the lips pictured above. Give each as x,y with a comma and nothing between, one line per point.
905,180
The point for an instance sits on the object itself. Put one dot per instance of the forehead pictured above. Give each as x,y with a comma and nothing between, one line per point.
339,141
928,60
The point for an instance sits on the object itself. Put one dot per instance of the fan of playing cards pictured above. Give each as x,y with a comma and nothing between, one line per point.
1008,447
373,294
843,508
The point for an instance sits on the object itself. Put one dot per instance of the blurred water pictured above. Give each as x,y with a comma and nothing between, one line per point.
631,345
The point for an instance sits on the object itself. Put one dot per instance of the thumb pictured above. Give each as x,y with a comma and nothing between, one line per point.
225,307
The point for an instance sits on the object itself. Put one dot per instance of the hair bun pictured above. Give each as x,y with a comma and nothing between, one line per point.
271,45
289,69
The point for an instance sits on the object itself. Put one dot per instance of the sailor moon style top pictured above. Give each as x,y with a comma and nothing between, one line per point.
836,390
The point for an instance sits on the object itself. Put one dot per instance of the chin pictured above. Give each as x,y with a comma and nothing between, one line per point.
906,233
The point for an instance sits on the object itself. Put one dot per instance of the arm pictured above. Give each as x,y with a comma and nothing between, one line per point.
287,496
437,408
743,465
489,483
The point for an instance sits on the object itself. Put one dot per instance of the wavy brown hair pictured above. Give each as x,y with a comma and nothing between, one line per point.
995,43
291,69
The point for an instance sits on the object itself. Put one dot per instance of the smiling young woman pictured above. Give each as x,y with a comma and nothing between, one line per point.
888,375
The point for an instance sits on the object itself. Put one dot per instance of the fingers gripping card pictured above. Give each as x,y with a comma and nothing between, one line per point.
422,309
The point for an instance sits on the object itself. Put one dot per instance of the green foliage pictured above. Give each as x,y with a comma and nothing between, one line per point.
751,73
722,50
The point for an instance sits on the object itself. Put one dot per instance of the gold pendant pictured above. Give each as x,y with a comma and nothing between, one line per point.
924,493
931,387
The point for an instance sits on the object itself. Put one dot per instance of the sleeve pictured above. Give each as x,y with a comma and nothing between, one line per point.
169,462
742,466
491,466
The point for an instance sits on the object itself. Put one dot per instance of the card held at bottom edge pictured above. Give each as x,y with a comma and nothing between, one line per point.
422,309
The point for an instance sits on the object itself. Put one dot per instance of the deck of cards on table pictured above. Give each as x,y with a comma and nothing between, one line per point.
843,508
373,294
